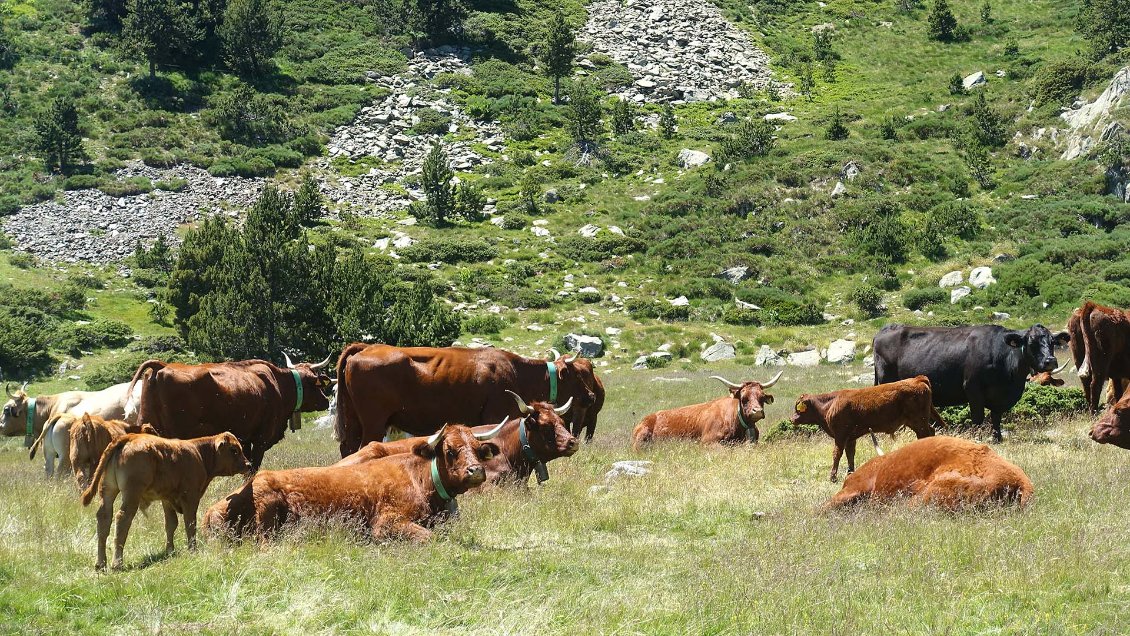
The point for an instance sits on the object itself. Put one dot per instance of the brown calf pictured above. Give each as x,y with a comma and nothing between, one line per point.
1049,378
1114,425
728,419
393,496
90,435
145,468
948,472
849,414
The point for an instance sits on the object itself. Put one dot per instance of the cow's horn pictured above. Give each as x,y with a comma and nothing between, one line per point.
573,358
8,389
523,408
726,382
482,437
322,364
289,364
773,381
564,408
23,387
1060,370
556,355
433,441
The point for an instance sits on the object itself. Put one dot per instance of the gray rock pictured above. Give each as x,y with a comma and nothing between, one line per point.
974,80
804,358
999,316
951,279
841,352
767,357
735,274
587,346
840,190
718,351
850,171
779,117
551,196
957,294
589,231
981,277
681,301
691,158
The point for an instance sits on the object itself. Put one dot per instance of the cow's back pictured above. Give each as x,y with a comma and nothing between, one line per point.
946,355
186,401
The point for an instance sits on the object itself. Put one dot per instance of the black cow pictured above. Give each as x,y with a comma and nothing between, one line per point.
983,366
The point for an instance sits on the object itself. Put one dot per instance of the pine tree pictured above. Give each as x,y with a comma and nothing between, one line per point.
667,122
8,53
584,115
59,138
252,32
436,177
1106,23
270,235
941,24
309,205
557,55
807,82
987,125
159,30
837,129
623,117
987,13
433,20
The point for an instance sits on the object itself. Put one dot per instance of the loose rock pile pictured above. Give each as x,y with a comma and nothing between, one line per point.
89,225
679,50
382,130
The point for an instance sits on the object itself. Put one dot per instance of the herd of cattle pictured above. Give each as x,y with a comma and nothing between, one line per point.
487,416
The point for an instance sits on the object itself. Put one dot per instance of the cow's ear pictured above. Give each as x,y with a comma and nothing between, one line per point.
487,450
1014,340
425,451
767,399
1063,337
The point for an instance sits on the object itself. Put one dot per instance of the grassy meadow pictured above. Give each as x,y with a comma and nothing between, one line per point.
712,541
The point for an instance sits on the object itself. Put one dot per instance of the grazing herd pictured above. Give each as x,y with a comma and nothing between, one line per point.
489,417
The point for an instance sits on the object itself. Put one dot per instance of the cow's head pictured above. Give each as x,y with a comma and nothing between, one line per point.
546,432
230,459
459,454
316,384
1114,425
1048,378
15,411
82,450
1037,346
576,380
752,398
807,411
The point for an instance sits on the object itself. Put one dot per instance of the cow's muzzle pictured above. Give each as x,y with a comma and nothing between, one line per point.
476,475
1049,364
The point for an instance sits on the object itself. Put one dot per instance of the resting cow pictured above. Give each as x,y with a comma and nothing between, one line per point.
947,472
145,468
984,366
1049,378
26,415
1114,425
395,496
419,389
725,420
90,435
849,414
1105,349
253,399
526,444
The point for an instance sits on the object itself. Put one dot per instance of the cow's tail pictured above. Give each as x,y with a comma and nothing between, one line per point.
43,435
346,416
103,465
142,369
936,417
1088,339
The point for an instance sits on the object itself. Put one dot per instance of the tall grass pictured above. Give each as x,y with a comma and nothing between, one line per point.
713,540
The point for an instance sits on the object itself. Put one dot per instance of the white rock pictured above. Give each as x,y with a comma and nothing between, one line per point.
767,357
959,293
976,79
981,277
691,158
779,117
718,351
841,352
840,190
588,346
1001,315
612,331
951,279
681,301
589,230
804,358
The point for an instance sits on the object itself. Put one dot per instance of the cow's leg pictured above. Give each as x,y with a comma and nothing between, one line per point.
170,525
105,516
130,503
837,452
995,419
1117,388
849,447
1098,381
385,526
191,510
258,449
976,409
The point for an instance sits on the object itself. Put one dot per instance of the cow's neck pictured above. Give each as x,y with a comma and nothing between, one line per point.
206,448
522,462
419,470
534,380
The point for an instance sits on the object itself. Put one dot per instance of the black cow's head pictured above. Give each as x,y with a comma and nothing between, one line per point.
315,384
1037,346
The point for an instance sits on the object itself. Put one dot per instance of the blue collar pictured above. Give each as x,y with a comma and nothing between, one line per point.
298,385
438,483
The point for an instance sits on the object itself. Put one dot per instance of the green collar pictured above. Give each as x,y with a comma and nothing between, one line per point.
741,418
31,403
298,385
552,381
438,483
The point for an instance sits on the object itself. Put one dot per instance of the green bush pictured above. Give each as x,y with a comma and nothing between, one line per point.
779,307
739,316
485,323
868,299
82,182
9,205
114,372
915,299
784,430
176,184
349,64
1036,405
448,250
22,260
598,248
1059,83
100,334
132,186
431,122
515,221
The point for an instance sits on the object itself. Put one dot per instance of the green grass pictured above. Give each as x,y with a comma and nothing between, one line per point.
714,540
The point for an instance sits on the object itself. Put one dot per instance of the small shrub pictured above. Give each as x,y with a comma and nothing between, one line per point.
598,248
75,338
915,299
957,85
515,221
132,186
447,250
485,324
82,182
868,299
176,184
785,429
9,205
431,122
837,129
22,260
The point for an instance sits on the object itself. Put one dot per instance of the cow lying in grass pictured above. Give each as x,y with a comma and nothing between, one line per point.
90,435
526,443
727,419
947,472
1114,425
849,414
145,468
394,496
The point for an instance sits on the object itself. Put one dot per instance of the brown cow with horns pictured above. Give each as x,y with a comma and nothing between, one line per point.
727,419
253,399
419,389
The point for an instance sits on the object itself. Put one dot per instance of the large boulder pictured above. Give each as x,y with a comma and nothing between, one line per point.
957,294
767,357
804,358
735,274
718,351
587,346
981,277
691,158
841,351
952,279
974,80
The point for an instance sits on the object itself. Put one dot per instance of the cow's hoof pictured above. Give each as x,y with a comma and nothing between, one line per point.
99,567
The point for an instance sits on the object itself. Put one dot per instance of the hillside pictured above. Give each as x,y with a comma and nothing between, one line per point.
823,177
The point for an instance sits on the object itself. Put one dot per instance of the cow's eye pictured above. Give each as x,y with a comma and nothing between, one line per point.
451,455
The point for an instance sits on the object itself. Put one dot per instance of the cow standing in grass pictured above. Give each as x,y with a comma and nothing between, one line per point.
26,415
849,414
725,420
90,435
947,472
1105,349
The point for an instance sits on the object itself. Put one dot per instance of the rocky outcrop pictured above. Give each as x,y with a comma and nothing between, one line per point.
678,50
1094,122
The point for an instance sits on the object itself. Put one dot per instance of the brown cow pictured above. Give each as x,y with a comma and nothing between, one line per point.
725,420
145,468
1106,351
947,472
253,399
90,435
526,444
1114,425
1049,378
395,496
418,389
849,414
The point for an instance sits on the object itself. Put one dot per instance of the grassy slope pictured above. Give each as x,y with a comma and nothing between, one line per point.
722,541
